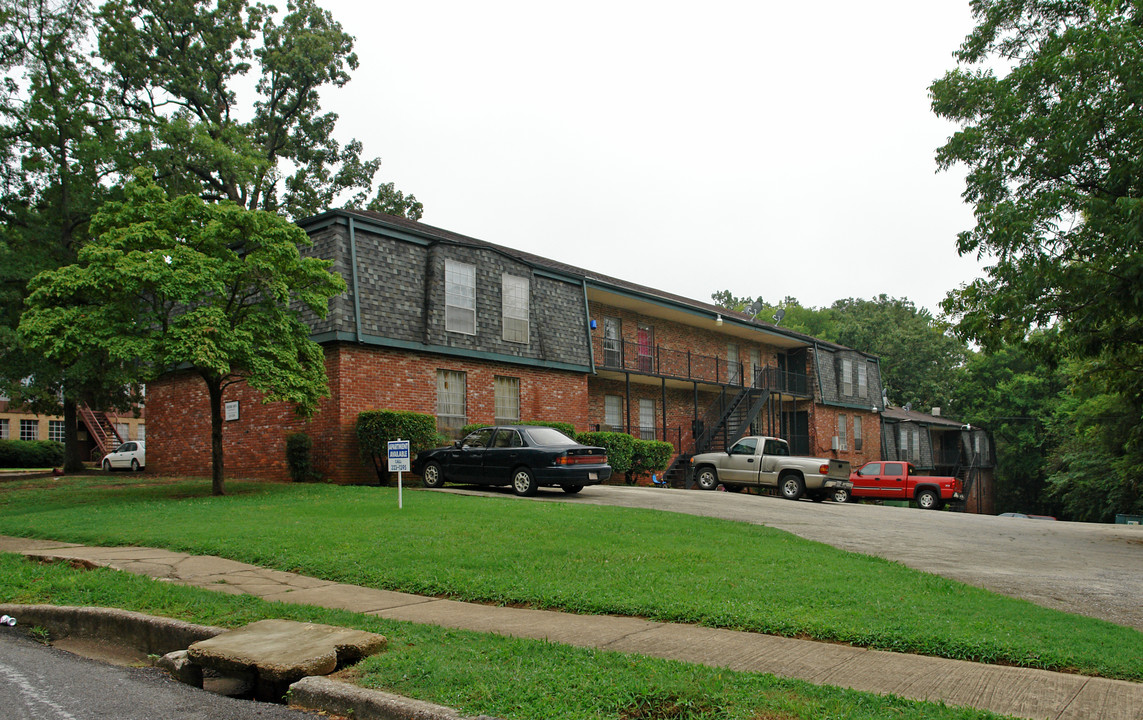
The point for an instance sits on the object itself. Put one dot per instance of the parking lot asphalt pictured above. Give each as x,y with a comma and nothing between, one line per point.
1084,568
1019,692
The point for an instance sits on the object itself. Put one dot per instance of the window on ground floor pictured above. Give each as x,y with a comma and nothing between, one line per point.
29,429
842,436
507,390
612,412
56,430
451,396
4,428
856,432
646,419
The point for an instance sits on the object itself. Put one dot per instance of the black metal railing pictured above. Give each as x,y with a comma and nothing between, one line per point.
686,365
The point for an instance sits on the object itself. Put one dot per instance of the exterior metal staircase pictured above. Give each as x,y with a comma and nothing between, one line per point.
101,429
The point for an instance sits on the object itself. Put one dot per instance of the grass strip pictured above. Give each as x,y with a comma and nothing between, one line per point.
487,674
577,558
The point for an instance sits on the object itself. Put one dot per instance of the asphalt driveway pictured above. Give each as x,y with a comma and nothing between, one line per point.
1083,568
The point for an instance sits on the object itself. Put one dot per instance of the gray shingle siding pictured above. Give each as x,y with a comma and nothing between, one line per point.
830,364
402,297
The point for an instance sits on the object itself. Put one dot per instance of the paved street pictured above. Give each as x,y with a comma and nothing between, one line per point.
38,682
1084,568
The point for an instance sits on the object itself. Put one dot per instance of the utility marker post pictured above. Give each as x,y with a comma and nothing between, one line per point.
399,463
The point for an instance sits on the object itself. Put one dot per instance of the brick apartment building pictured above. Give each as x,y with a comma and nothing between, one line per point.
469,331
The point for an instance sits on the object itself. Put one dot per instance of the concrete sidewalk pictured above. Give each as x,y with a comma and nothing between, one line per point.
1010,691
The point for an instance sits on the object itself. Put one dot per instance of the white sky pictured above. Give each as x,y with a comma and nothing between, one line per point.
766,148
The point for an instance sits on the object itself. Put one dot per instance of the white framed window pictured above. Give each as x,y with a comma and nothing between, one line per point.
909,444
507,392
451,396
847,377
842,436
4,428
124,431
646,419
862,380
29,429
56,430
140,432
755,366
460,297
613,411
515,308
857,432
916,450
733,364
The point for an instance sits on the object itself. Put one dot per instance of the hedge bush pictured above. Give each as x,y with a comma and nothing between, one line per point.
299,458
620,448
566,428
31,453
650,456
375,428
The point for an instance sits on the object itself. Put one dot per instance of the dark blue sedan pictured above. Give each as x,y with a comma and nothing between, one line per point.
523,456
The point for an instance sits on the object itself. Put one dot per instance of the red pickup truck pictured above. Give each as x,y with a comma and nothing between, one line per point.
897,481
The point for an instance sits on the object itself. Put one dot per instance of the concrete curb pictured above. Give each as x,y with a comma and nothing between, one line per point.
332,696
153,635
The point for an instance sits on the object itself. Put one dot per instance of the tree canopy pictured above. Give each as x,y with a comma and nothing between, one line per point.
1047,97
181,283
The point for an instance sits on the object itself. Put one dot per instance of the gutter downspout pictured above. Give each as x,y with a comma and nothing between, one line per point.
587,325
356,294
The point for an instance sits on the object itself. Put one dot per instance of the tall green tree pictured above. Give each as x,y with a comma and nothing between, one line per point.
61,149
182,283
178,66
1047,94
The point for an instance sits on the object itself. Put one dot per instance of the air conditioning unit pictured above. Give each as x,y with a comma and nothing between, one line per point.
836,443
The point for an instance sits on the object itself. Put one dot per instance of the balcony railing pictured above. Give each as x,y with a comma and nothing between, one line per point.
656,360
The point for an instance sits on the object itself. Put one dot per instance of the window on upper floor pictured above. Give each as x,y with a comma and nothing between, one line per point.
460,297
733,364
507,400
612,343
515,308
847,377
862,380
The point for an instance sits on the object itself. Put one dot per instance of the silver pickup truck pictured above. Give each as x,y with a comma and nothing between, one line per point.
766,461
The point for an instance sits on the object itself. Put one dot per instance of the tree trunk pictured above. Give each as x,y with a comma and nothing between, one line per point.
73,459
214,387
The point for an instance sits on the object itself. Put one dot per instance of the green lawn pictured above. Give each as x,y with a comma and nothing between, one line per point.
477,673
578,558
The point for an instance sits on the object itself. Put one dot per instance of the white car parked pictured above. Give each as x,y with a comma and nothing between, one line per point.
128,455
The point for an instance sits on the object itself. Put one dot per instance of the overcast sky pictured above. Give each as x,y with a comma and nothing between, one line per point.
765,148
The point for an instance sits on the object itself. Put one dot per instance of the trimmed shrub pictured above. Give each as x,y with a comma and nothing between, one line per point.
299,458
566,428
620,448
375,428
31,453
650,456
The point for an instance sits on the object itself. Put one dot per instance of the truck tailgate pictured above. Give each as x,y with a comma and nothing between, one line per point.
838,469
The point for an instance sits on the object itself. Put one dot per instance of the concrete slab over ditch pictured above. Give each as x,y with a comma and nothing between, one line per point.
276,653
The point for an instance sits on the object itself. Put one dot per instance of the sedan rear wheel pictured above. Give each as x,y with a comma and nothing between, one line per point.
523,483
432,477
134,465
572,489
106,466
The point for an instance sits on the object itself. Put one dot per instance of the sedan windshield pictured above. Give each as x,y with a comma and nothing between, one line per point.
548,436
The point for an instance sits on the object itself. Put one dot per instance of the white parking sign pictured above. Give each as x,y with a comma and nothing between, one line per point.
399,456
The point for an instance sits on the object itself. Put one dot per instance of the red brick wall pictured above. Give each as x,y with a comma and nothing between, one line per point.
823,427
360,378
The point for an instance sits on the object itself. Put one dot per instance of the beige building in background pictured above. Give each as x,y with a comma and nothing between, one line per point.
18,424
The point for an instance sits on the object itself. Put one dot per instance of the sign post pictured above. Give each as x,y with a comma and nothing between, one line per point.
399,463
